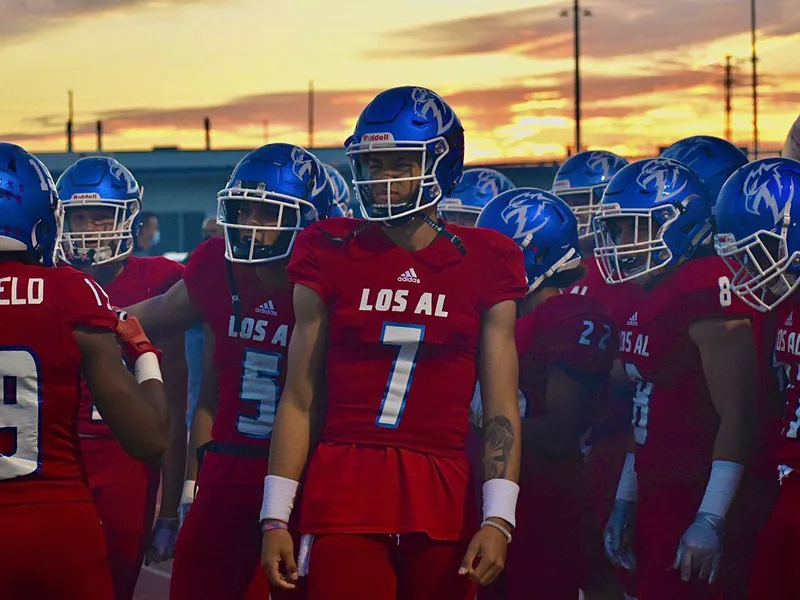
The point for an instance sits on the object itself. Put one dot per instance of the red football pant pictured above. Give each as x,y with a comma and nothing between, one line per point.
377,567
124,491
558,537
778,549
53,551
749,513
218,554
663,515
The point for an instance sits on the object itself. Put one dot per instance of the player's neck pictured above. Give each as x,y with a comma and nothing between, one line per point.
105,273
531,301
587,248
414,235
273,273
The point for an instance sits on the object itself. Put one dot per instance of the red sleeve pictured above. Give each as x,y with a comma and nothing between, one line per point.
304,266
505,270
710,297
88,302
170,273
582,341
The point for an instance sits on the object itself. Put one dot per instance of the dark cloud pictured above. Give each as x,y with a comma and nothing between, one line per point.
614,29
25,16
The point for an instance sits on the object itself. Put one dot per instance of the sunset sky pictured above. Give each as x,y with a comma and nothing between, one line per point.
153,69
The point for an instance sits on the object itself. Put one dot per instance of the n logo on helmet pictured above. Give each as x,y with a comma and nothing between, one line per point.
303,168
758,195
603,162
524,215
122,175
487,183
428,105
661,176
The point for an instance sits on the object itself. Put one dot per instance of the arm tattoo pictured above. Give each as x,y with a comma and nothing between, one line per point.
498,439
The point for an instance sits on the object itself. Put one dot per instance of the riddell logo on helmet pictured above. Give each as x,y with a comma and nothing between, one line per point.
89,196
377,137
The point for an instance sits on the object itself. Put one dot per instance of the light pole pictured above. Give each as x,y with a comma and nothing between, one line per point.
577,13
755,76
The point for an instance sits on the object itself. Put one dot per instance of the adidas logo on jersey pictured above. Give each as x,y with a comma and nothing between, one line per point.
409,276
268,308
634,320
789,319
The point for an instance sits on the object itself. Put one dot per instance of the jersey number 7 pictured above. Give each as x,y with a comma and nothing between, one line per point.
407,338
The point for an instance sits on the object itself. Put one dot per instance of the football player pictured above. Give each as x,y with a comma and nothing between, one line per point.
715,160
101,199
473,192
396,316
689,346
757,218
238,286
58,325
580,182
566,345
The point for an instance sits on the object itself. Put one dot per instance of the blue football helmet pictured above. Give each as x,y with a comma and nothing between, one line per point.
712,158
655,213
31,216
406,153
473,192
581,180
340,188
758,231
276,188
98,188
542,225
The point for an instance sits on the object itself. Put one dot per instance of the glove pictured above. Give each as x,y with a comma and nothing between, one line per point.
618,534
187,499
132,338
701,548
162,541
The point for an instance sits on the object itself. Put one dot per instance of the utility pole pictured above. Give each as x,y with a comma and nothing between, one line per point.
728,97
577,13
70,119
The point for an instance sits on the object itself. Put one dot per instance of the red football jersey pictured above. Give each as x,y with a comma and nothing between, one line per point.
41,368
787,354
572,330
250,361
401,371
141,278
615,297
675,423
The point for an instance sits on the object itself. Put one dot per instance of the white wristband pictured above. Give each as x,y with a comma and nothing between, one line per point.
146,367
279,494
187,496
628,487
500,500
721,489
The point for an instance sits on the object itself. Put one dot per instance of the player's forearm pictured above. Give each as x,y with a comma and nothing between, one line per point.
291,440
502,444
200,434
173,463
160,319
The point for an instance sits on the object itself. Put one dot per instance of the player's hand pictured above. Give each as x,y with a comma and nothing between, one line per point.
132,338
490,546
700,548
162,541
618,535
187,499
277,549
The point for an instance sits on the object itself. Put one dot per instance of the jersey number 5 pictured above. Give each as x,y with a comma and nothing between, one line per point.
20,405
260,374
407,338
